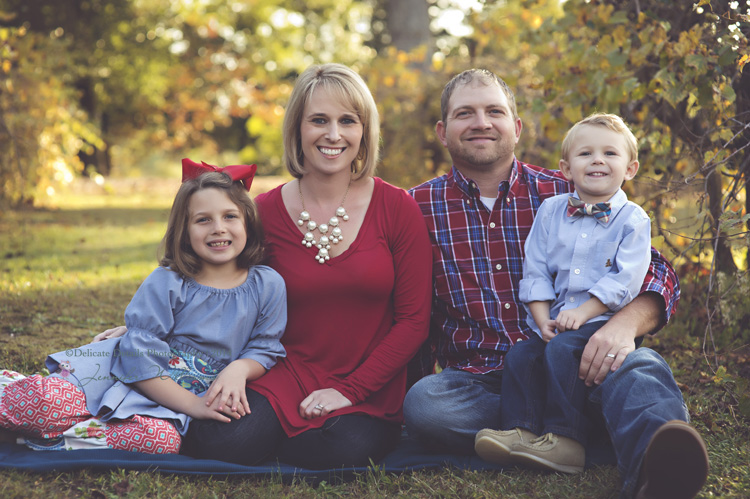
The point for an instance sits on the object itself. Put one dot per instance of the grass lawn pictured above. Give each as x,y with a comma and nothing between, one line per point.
68,271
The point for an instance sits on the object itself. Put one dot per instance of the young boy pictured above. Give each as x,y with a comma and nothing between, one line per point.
586,258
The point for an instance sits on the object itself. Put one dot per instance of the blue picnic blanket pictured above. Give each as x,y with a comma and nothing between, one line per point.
409,455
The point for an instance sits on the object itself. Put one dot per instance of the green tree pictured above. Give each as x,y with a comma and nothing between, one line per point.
42,129
677,73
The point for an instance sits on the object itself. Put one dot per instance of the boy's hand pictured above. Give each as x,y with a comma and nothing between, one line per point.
570,319
548,330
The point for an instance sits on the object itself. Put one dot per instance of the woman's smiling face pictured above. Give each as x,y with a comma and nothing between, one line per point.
331,133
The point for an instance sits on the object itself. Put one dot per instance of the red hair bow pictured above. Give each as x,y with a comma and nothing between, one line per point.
242,173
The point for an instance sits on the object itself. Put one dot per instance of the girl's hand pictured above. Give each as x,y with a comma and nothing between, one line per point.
110,333
322,402
202,411
164,391
227,392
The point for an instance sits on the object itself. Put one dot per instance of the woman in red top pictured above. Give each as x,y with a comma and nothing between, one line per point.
356,259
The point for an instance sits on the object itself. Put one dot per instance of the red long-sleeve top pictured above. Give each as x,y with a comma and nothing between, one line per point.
355,321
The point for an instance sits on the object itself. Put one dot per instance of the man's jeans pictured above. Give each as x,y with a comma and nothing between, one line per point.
446,410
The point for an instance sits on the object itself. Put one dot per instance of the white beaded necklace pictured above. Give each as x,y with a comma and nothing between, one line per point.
324,244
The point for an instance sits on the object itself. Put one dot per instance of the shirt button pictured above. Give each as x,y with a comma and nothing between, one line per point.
519,340
507,306
499,267
468,202
492,225
572,299
577,271
584,236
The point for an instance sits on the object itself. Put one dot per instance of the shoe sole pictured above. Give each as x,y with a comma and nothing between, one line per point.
493,451
539,463
677,460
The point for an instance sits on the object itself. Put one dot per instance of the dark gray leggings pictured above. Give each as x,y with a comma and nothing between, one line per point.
343,441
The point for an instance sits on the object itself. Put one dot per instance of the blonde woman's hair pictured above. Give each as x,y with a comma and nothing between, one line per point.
610,121
349,88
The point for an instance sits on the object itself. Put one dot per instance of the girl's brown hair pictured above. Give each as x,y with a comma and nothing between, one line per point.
178,254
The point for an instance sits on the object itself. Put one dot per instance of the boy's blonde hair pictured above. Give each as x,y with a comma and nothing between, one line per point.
350,89
612,122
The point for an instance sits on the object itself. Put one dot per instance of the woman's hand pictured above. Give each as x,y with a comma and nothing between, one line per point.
110,333
322,402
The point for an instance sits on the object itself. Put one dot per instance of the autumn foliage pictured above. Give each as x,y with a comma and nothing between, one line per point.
115,85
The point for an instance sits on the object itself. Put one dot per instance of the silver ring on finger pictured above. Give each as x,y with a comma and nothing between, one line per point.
319,407
611,355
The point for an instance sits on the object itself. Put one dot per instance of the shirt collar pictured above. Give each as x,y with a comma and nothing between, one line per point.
469,187
465,184
616,202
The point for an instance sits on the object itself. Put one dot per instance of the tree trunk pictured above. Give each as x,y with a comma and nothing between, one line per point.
723,257
408,23
742,90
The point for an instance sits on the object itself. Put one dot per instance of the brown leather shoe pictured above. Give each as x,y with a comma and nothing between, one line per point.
551,452
495,445
675,465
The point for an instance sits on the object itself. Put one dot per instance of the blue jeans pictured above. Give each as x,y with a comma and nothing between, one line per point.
342,441
446,410
541,389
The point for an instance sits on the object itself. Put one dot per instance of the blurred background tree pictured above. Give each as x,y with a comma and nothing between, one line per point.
127,87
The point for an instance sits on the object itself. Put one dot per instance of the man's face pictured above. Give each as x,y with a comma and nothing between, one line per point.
480,132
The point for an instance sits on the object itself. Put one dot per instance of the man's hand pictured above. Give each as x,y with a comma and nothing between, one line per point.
605,352
607,349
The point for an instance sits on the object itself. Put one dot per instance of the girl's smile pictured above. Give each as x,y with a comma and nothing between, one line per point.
217,229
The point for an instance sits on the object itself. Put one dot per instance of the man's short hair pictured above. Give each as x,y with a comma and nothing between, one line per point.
485,77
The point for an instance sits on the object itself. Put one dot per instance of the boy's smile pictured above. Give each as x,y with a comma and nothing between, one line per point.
598,163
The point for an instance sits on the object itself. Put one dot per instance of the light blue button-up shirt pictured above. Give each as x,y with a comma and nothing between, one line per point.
570,259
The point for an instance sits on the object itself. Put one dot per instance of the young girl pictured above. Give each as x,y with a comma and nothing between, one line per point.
205,322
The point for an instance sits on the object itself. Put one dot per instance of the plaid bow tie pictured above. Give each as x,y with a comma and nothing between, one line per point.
600,211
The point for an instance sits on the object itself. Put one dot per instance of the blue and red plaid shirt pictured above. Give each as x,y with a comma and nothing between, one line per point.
478,263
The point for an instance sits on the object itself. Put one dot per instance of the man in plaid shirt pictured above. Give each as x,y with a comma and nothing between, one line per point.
478,216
